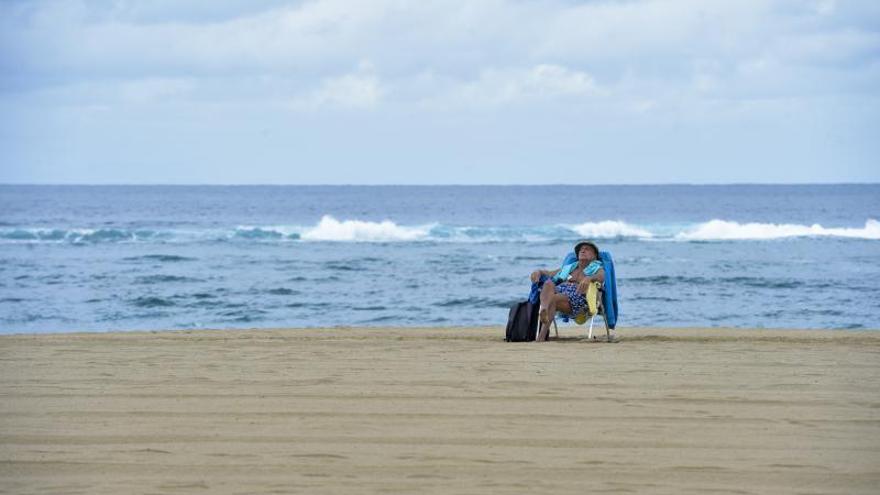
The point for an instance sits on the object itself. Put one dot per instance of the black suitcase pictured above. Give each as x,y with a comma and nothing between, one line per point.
522,322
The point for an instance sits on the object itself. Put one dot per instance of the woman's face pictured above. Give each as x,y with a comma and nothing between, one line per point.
585,253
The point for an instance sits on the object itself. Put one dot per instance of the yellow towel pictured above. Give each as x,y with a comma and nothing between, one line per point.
592,298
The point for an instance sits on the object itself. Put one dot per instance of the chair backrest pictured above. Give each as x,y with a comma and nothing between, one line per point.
609,295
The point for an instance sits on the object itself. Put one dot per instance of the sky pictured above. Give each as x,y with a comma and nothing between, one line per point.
439,92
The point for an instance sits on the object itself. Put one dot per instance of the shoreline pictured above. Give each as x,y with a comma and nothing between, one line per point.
440,410
567,331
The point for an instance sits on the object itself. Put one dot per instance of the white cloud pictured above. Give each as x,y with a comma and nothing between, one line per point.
527,76
522,85
656,40
360,89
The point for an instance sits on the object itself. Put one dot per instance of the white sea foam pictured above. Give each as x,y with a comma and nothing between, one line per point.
71,235
331,229
609,229
725,230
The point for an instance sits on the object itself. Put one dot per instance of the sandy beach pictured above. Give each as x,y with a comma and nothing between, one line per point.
352,410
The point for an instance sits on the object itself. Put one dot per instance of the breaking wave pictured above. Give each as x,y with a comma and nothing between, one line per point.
330,229
78,235
610,229
721,230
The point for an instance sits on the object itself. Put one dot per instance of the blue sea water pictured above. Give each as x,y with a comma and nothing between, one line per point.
76,258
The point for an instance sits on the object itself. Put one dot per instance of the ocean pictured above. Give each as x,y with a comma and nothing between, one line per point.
100,258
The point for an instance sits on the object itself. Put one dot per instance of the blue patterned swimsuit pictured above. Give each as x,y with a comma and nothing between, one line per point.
578,302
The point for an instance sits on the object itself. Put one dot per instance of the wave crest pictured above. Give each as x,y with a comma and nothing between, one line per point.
77,236
722,230
331,229
610,229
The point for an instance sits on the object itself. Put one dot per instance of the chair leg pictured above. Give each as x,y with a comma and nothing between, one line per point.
555,328
590,334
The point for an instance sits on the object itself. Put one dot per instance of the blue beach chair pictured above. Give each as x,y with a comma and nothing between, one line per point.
607,298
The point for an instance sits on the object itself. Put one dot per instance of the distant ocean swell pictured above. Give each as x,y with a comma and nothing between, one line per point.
329,229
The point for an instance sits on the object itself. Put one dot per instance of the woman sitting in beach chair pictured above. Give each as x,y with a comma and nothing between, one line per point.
566,289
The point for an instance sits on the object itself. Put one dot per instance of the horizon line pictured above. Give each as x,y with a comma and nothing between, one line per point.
193,184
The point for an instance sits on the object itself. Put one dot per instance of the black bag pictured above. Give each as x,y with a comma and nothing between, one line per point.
522,322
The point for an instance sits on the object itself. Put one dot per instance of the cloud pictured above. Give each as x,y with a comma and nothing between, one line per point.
502,86
643,56
654,40
508,79
360,89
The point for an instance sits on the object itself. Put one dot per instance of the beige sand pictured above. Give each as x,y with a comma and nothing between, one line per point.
440,411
